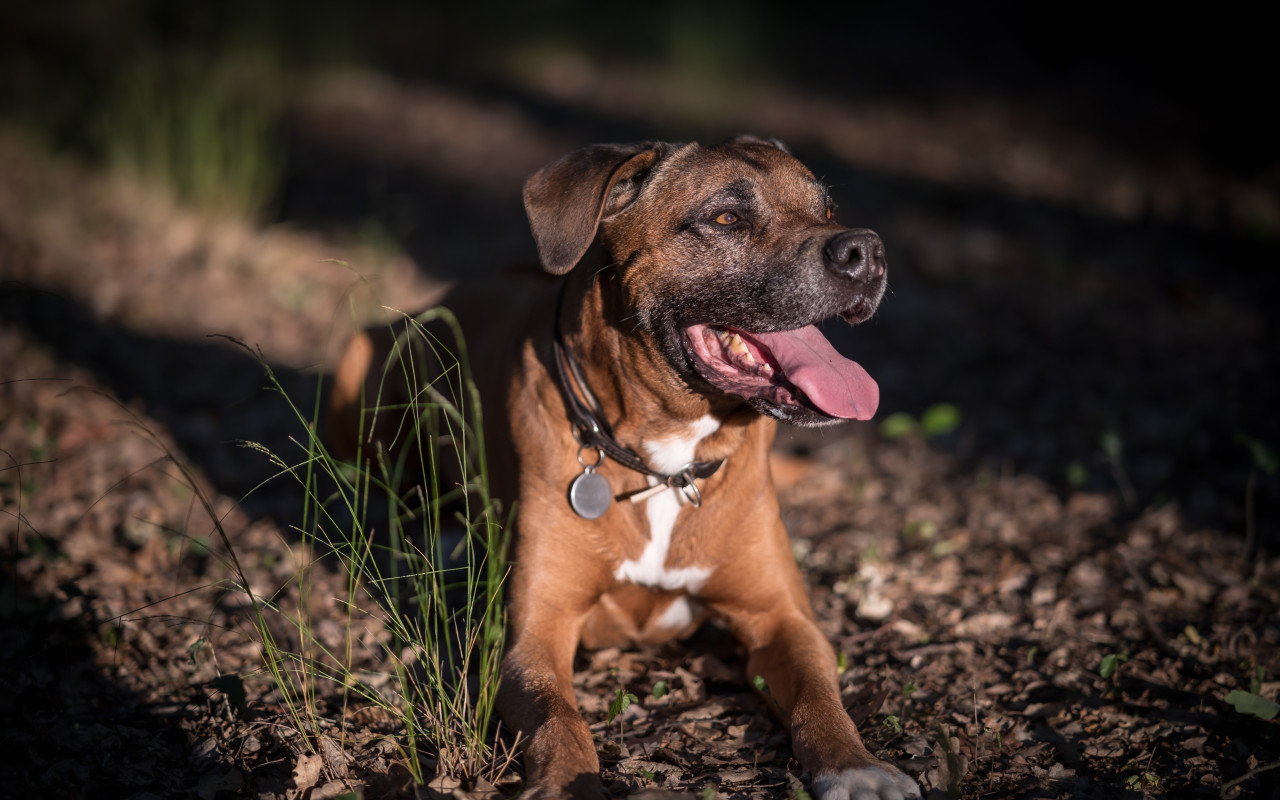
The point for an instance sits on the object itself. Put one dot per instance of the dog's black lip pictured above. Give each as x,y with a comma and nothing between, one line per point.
679,327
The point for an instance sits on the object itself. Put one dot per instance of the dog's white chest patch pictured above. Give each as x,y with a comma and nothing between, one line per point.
674,454
650,569
677,616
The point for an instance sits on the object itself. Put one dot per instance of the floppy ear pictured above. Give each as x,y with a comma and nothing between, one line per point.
566,201
746,138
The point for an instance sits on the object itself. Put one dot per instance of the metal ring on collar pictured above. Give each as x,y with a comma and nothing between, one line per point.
599,456
580,432
685,482
692,494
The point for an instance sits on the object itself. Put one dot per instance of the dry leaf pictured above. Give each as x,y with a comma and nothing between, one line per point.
306,773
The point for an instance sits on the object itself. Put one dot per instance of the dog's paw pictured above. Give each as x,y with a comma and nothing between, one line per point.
866,783
584,787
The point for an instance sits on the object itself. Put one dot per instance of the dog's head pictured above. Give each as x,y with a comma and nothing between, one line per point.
726,258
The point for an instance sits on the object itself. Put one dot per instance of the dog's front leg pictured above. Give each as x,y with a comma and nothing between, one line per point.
536,699
798,667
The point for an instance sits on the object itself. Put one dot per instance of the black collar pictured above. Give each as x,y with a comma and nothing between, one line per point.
591,430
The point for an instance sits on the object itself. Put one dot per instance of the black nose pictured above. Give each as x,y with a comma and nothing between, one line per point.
856,254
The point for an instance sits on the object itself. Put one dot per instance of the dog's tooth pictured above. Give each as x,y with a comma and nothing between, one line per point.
740,347
766,370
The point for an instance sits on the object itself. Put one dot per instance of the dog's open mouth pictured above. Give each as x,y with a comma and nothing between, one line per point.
787,368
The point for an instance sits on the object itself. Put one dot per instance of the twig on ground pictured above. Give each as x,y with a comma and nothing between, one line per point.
1250,774
1143,605
926,650
863,636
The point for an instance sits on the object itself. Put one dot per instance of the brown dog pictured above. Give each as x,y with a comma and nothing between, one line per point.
655,371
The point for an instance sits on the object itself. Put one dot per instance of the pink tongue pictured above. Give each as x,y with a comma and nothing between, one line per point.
833,383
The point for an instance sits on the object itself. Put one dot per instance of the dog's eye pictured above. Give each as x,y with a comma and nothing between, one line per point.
727,218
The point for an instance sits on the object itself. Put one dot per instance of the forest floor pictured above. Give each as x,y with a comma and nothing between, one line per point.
974,592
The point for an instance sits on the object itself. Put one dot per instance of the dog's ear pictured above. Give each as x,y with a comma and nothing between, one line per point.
746,138
566,201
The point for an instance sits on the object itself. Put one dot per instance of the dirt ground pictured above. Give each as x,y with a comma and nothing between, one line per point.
1103,319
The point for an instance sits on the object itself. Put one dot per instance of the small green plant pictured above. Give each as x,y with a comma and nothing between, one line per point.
995,734
198,546
1143,782
1253,704
622,700
908,688
112,634
871,554
922,529
660,689
1263,456
708,793
939,419
1264,460
193,651
1077,475
1112,447
897,425
893,723
1256,674
946,547
762,686
1110,664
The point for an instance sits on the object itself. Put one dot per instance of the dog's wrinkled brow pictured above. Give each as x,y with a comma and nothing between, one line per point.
741,192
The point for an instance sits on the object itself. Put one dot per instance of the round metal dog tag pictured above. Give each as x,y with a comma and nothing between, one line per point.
590,494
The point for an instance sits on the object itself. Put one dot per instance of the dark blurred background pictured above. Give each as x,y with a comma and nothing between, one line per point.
1081,207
